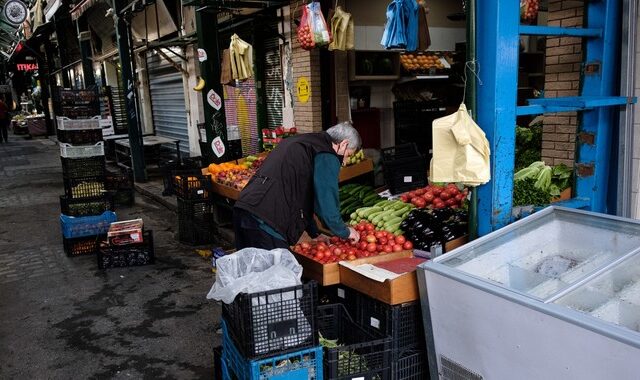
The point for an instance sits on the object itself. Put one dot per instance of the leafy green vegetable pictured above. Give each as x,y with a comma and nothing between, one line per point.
526,193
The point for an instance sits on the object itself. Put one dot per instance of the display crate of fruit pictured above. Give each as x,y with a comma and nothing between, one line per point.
298,365
427,63
277,321
88,187
133,254
81,246
86,206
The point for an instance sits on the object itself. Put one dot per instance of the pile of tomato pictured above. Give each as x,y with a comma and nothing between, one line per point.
305,37
372,243
435,196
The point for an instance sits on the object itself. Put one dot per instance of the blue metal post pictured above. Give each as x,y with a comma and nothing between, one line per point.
595,132
497,53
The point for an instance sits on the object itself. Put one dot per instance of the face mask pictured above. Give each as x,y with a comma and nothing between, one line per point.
341,155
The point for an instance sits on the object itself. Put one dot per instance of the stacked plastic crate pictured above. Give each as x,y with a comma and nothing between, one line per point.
195,210
87,210
272,335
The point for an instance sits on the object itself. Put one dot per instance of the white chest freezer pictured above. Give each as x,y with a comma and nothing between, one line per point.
553,296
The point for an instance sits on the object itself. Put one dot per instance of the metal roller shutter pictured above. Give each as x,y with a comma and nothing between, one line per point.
167,98
273,82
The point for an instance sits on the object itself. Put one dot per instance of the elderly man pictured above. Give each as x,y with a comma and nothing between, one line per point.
298,178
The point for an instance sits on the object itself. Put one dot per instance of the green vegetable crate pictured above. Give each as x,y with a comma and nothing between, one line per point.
304,364
351,352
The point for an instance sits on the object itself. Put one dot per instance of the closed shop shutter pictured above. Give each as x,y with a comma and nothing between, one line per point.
273,82
168,98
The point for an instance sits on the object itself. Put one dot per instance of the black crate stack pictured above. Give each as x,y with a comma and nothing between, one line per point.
83,167
405,168
195,209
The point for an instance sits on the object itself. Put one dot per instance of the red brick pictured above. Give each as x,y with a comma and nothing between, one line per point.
560,50
557,86
577,67
570,58
553,153
577,48
552,60
567,128
567,13
569,76
563,68
568,162
568,146
570,41
551,94
554,23
575,85
556,120
551,77
548,145
548,129
553,42
574,21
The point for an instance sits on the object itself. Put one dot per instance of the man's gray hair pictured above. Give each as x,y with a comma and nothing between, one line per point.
345,131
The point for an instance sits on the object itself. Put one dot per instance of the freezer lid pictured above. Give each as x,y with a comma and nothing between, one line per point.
547,252
612,296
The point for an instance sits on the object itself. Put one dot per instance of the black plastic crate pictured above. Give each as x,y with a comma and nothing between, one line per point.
121,179
83,167
412,365
89,187
403,323
128,255
277,321
192,186
86,206
80,136
404,168
124,197
195,222
82,246
172,168
344,295
360,353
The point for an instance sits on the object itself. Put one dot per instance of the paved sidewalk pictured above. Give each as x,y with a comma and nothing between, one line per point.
62,318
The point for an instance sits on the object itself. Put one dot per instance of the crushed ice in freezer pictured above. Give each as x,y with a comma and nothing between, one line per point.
554,266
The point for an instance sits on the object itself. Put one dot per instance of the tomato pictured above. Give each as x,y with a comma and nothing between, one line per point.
371,247
428,197
305,245
337,251
351,251
420,203
420,191
404,198
369,227
318,256
321,248
453,207
344,256
362,245
407,245
388,249
359,227
436,190
397,248
370,239
400,239
459,197
351,257
383,240
334,239
445,195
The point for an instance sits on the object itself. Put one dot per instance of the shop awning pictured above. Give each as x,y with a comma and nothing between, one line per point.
152,23
82,7
51,9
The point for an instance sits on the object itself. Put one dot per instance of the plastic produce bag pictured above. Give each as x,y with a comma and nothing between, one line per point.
305,37
319,29
252,270
342,30
460,150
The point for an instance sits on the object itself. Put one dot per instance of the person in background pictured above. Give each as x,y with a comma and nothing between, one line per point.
4,120
298,178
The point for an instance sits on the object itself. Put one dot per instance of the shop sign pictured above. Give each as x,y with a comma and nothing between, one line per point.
26,66
303,89
218,147
202,55
214,100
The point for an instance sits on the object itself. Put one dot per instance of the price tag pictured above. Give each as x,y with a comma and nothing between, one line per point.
375,323
408,179
214,100
341,293
218,147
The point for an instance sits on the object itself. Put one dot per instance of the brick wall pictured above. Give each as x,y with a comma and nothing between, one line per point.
562,78
341,64
307,116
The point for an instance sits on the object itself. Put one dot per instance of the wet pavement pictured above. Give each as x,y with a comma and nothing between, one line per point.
63,318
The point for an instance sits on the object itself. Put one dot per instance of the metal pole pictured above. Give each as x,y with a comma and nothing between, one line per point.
471,104
128,81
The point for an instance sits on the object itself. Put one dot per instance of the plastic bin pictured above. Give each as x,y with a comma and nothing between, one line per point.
86,206
81,226
403,323
276,321
404,168
88,187
80,137
87,245
119,179
360,354
195,222
81,151
110,256
298,365
83,167
192,186
344,295
66,124
172,168
412,365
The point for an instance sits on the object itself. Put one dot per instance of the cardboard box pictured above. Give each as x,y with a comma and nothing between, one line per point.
401,289
125,232
355,170
329,274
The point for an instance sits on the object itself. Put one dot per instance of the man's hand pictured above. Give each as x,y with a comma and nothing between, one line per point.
323,238
354,235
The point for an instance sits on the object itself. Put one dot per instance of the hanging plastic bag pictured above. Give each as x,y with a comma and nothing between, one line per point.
460,150
394,35
321,35
341,30
305,36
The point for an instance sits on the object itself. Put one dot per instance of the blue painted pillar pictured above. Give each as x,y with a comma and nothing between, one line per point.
497,42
